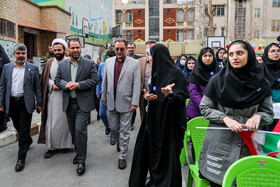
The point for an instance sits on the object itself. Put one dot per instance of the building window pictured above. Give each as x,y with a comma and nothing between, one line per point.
257,13
168,11
222,31
129,36
7,28
119,17
257,34
139,12
180,36
190,14
219,10
180,16
139,33
275,25
168,33
275,3
128,16
190,35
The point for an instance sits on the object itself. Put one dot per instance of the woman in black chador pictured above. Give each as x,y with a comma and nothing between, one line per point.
160,139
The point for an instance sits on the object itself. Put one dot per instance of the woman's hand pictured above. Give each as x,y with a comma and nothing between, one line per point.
253,123
168,89
149,97
233,125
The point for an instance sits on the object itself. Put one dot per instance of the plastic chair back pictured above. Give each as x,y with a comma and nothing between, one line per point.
197,135
254,171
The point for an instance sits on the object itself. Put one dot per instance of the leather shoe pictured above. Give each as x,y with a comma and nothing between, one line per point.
107,131
118,147
122,163
149,182
81,169
75,160
50,153
112,141
20,165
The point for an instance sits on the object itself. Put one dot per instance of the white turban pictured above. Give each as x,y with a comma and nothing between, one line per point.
61,41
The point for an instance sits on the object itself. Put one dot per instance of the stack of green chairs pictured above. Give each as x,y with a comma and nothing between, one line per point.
197,137
257,171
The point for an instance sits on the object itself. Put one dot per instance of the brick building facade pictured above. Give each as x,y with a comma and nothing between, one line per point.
35,26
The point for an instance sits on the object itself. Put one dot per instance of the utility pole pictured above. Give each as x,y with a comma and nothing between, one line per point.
210,15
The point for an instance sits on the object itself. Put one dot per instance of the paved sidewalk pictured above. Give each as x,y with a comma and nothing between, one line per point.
101,164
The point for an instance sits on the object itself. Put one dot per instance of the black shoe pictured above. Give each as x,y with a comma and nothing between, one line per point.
122,163
20,165
149,182
107,131
112,141
81,169
98,117
75,160
50,153
118,147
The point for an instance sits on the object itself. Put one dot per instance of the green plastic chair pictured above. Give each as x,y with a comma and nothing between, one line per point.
197,137
257,171
183,153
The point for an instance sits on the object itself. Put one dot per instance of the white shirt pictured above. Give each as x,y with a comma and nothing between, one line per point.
17,81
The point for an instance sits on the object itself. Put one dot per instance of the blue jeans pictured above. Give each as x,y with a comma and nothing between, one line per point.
103,116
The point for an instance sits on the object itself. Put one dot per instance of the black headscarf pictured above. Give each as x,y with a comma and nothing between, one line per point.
273,67
239,88
217,54
178,61
201,72
186,70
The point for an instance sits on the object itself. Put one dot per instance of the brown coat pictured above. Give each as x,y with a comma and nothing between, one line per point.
44,114
142,61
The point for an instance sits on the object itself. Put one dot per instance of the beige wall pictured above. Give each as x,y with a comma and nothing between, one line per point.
28,14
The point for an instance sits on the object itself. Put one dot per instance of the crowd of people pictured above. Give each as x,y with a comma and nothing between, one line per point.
231,87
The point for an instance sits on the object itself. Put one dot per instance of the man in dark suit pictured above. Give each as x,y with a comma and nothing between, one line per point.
3,60
19,85
76,77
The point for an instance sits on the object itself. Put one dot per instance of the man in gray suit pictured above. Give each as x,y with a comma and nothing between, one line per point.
19,85
120,93
76,77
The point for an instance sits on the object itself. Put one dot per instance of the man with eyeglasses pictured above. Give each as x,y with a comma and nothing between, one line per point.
120,93
19,85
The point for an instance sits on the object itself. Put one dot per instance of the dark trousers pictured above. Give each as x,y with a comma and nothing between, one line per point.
77,121
3,124
133,118
22,122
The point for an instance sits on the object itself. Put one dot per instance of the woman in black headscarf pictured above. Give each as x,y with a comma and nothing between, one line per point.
219,56
271,59
190,63
204,69
160,138
237,97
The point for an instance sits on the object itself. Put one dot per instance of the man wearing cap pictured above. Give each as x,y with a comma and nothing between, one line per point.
54,130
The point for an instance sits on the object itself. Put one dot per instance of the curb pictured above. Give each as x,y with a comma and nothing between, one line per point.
10,135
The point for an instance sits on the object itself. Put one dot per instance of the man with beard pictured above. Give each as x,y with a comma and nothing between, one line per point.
50,54
76,77
19,85
54,131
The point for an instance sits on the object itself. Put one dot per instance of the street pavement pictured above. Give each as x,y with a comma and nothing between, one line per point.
101,163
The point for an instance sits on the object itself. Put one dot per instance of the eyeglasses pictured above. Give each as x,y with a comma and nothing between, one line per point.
120,49
274,51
